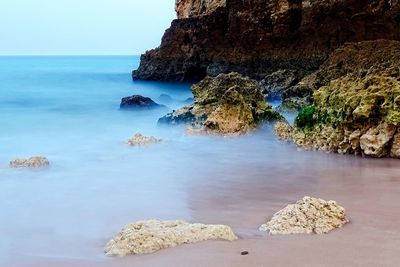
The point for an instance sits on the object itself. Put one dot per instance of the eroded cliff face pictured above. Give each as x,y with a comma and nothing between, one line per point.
258,37
195,8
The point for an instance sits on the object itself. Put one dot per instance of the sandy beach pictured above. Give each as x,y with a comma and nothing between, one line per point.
369,190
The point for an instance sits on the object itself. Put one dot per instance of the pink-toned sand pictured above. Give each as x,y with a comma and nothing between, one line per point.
368,189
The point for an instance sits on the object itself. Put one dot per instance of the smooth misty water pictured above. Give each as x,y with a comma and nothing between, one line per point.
67,109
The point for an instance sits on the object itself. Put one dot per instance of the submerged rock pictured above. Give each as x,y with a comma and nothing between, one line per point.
33,162
141,140
226,104
152,235
138,102
357,110
307,216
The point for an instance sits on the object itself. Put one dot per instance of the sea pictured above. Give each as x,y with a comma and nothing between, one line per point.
67,109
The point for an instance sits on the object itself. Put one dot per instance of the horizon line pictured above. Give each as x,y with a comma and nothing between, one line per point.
71,55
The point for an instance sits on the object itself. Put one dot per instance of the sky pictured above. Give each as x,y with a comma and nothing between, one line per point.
82,27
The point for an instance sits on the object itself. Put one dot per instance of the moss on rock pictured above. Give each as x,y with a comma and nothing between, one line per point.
357,108
226,104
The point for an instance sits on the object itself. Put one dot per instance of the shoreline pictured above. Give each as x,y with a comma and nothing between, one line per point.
371,239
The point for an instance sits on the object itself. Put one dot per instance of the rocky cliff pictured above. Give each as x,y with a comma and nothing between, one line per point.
258,37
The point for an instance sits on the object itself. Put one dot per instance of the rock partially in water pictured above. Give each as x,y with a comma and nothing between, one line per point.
226,104
307,216
33,162
165,99
357,111
275,84
142,140
284,131
152,235
138,102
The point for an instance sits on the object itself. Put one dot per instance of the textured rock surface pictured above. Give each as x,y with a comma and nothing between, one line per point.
141,140
152,235
33,162
258,37
307,216
275,84
138,102
195,8
358,110
226,104
283,131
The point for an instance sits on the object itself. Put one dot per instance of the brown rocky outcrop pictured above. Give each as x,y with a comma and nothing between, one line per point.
259,37
189,8
226,104
356,102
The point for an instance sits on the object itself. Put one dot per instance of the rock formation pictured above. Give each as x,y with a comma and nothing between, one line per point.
356,106
259,37
226,104
33,162
138,102
141,140
153,235
307,216
283,131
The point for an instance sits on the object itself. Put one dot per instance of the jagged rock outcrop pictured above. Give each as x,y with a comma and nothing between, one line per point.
357,110
138,102
194,8
142,140
284,131
226,104
307,216
32,162
259,37
152,235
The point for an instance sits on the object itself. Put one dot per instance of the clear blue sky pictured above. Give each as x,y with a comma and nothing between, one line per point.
82,27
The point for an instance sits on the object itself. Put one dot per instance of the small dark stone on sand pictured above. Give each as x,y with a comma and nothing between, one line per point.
244,253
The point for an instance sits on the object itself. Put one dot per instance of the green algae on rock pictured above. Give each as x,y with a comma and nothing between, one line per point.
356,102
226,104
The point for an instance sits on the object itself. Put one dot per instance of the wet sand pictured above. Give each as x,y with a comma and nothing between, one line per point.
245,195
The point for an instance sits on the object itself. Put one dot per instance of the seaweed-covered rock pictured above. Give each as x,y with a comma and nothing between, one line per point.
32,162
226,104
152,235
138,102
357,110
307,216
141,140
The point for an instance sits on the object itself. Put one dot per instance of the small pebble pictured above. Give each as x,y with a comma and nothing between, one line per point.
244,253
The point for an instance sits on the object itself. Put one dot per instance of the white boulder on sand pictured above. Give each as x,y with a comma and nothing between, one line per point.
152,235
307,216
142,140
33,162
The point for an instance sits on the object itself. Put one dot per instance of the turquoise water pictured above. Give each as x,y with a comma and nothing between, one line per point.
67,109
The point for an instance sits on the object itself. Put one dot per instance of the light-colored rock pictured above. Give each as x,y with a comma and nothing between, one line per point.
152,235
307,216
376,140
33,162
196,8
141,140
283,131
395,151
